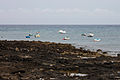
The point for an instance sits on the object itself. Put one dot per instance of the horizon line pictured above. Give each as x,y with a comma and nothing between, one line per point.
58,24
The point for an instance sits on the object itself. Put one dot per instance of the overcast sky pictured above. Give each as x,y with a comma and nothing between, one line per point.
59,11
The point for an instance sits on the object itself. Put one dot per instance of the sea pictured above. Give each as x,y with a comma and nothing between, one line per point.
109,35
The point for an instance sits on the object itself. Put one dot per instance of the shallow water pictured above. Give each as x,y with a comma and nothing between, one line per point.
109,35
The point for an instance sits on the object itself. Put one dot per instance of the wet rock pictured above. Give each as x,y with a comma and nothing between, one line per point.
118,55
18,71
16,49
34,60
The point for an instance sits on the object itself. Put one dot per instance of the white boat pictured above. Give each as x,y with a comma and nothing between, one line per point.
97,40
90,35
66,38
37,35
62,31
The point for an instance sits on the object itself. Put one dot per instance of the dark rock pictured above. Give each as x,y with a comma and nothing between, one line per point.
118,55
32,60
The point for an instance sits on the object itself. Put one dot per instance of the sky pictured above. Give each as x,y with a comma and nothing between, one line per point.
60,12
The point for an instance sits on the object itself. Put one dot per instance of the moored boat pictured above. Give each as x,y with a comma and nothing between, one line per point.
62,32
66,38
37,36
27,36
90,35
97,39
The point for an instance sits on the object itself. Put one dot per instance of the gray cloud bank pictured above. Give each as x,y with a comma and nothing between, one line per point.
59,15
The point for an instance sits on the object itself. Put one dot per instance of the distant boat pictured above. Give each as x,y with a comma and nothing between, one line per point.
90,35
30,34
27,36
97,40
84,34
62,32
37,35
66,38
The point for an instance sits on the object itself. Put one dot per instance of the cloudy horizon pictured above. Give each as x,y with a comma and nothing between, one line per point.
59,12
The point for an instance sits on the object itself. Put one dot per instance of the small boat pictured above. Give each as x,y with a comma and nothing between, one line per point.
37,35
84,34
30,34
97,40
90,35
27,36
66,38
62,32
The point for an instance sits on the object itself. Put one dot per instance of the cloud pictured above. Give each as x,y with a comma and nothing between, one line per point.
103,13
59,15
36,12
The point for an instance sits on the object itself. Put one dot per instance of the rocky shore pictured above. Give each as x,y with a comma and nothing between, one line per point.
36,60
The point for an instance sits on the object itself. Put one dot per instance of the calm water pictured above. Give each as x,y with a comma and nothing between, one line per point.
109,34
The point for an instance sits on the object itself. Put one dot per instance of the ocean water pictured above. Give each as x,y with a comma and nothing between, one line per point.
109,35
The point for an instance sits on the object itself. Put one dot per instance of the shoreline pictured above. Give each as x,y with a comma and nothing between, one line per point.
73,44
26,60
107,43
109,52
